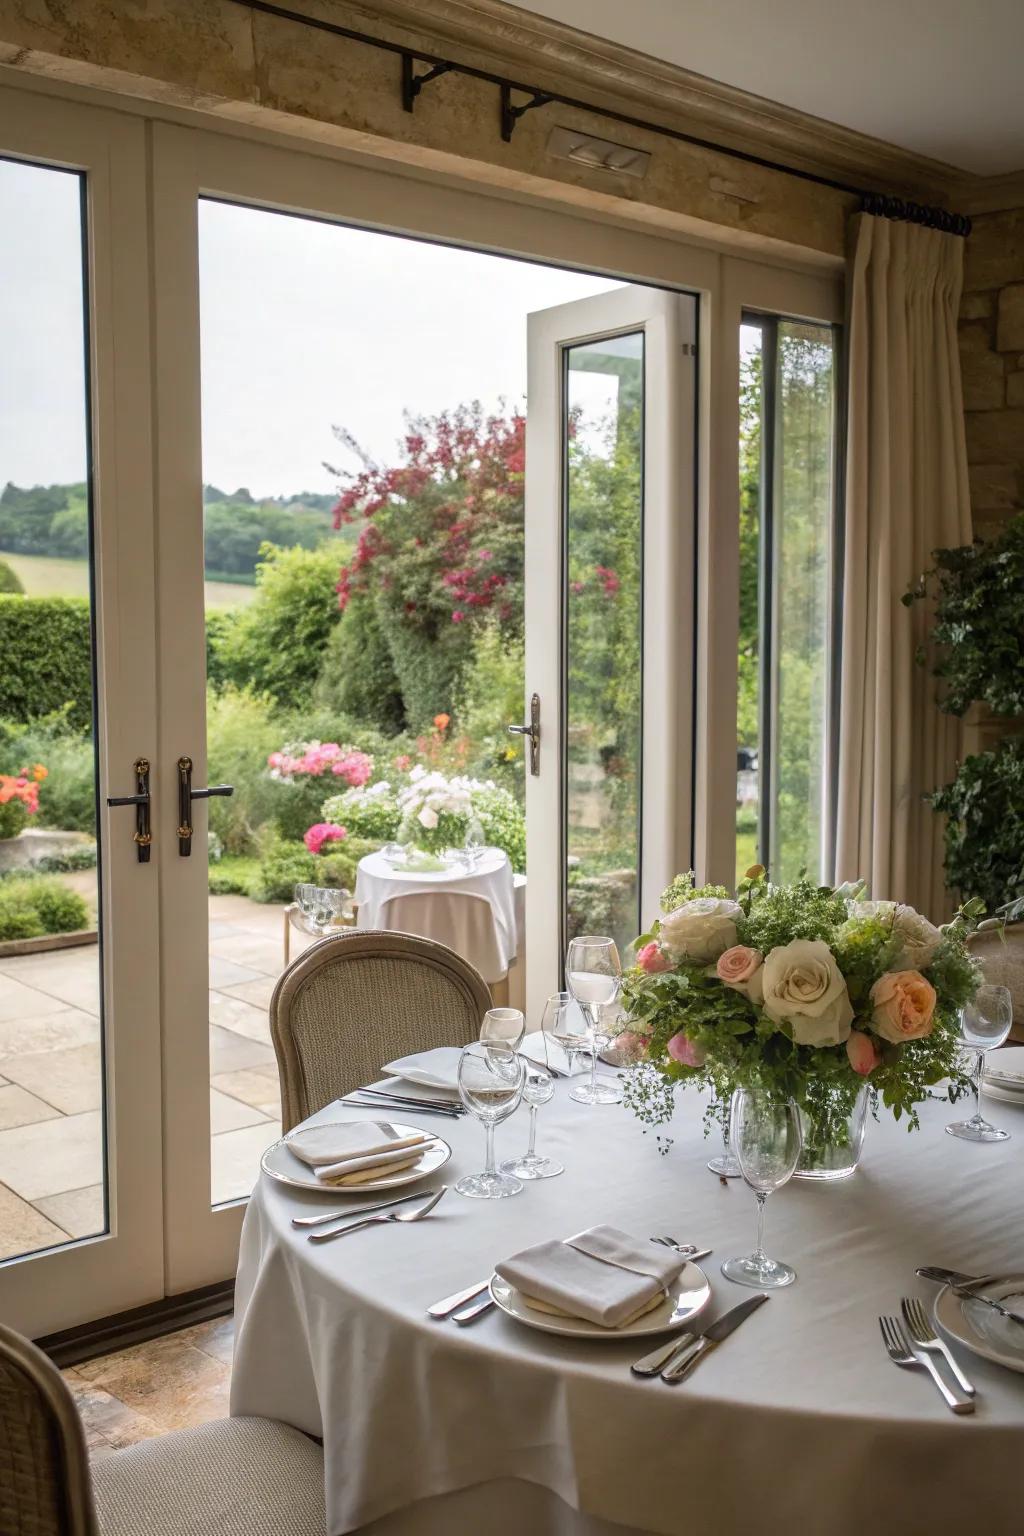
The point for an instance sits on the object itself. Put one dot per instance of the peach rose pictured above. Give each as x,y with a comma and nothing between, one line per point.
653,959
863,1053
682,1049
903,1006
740,968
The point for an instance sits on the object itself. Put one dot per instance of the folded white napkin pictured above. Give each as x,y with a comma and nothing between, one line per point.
356,1150
438,1068
602,1275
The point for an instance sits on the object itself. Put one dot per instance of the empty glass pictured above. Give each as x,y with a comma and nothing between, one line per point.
474,843
304,898
726,1164
765,1136
491,1079
593,975
564,1030
538,1089
984,1023
503,1024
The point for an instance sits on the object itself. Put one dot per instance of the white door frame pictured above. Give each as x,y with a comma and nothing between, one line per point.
124,1268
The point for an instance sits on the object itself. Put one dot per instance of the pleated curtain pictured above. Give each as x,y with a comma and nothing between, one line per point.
906,495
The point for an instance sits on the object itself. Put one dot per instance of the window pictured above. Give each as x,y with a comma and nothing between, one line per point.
787,409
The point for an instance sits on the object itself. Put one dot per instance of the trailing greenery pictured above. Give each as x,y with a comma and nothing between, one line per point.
32,905
47,651
984,807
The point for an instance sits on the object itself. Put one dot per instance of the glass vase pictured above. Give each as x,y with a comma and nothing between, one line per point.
833,1159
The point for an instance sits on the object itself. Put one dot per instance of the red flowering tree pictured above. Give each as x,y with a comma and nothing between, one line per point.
440,550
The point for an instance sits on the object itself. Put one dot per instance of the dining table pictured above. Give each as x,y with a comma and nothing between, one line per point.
798,1420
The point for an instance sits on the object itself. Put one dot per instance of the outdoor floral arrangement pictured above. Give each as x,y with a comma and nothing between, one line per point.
436,810
313,759
431,811
19,798
807,990
322,832
369,810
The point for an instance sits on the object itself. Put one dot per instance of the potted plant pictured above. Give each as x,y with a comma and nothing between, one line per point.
978,632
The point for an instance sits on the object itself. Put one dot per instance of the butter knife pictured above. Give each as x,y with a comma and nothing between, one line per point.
695,1349
450,1304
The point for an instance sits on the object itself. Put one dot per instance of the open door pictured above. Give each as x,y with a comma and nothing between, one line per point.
610,608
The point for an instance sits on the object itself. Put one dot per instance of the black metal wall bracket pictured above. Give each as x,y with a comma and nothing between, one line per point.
510,113
412,83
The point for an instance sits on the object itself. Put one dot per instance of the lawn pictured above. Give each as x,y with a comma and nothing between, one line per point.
43,577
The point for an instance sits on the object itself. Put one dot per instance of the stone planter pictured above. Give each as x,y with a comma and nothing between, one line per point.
30,846
1001,954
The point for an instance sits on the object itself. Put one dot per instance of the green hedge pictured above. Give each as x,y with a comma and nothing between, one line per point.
47,652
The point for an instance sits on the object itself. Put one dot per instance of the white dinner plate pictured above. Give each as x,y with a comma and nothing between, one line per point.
1005,1095
438,1068
687,1296
279,1163
981,1329
1006,1066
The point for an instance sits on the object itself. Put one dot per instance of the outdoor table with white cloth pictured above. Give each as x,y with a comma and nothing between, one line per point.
378,881
797,1421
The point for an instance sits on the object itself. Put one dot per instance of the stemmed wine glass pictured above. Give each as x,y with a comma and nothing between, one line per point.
503,1025
767,1142
726,1164
538,1089
593,975
491,1078
473,844
984,1023
563,1028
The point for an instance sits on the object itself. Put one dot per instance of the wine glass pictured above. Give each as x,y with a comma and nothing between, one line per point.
538,1089
503,1025
322,912
984,1022
593,974
765,1135
491,1078
474,843
304,898
562,1026
726,1164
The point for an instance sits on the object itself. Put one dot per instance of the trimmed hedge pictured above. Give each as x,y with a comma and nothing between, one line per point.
47,658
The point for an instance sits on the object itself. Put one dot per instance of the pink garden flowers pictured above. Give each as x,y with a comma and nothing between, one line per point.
313,759
322,832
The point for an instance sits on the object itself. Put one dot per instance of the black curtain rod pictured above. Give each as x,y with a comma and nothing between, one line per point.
880,204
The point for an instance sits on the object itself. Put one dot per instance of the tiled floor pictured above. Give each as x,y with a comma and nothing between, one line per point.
169,1383
50,1086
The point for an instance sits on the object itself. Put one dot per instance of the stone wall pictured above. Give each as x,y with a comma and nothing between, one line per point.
992,358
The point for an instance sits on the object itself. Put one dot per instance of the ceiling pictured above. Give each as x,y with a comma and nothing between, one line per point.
940,77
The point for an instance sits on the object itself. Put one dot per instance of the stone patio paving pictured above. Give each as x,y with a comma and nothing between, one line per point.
50,1089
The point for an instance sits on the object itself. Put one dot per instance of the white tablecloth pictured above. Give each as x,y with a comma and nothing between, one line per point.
492,952
797,1422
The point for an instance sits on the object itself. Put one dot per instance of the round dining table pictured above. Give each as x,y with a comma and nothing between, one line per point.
798,1420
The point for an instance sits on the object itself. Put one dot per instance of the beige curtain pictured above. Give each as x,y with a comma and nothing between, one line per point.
906,494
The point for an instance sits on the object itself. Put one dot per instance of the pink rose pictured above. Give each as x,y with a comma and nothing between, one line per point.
863,1052
629,1047
682,1049
904,1003
652,959
738,964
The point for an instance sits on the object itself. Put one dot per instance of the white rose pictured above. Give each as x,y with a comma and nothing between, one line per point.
427,818
919,940
700,930
804,986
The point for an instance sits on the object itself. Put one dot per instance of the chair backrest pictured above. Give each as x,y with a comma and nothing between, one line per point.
459,919
44,1467
355,1001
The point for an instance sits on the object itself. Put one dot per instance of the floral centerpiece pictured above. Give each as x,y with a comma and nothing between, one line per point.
19,798
807,990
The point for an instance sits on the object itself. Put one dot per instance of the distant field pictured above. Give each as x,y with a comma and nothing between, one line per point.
43,577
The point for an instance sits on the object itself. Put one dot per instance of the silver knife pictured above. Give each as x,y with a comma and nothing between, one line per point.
393,1096
682,1363
966,1287
354,1211
451,1304
947,1276
470,1314
415,1109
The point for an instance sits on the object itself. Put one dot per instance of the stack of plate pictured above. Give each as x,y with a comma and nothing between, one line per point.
1004,1075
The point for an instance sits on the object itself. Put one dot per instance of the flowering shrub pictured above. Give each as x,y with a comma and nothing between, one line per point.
315,758
19,798
370,811
323,832
801,989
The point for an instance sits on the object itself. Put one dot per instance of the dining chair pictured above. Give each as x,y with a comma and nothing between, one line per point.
234,1477
356,1000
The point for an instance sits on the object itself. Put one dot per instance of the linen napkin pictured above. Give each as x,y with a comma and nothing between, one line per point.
356,1151
602,1275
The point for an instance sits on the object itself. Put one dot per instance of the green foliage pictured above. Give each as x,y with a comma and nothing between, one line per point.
683,889
276,644
357,675
604,903
371,812
67,794
283,867
979,601
47,650
503,823
492,698
802,910
84,857
235,532
220,623
9,580
45,520
13,818
32,905
984,807
233,876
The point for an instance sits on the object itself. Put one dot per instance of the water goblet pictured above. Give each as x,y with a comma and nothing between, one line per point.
491,1078
538,1089
304,898
564,1030
593,974
503,1025
766,1138
984,1022
474,843
726,1165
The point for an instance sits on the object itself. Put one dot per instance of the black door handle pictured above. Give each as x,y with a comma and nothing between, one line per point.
142,836
186,794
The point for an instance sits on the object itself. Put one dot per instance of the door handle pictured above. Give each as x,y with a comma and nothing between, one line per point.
142,836
186,794
532,731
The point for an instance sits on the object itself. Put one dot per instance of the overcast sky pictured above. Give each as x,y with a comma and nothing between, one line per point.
304,325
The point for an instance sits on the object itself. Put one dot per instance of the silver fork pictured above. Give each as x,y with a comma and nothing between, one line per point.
925,1337
900,1353
372,1221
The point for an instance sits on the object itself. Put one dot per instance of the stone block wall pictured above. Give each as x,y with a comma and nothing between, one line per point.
992,360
